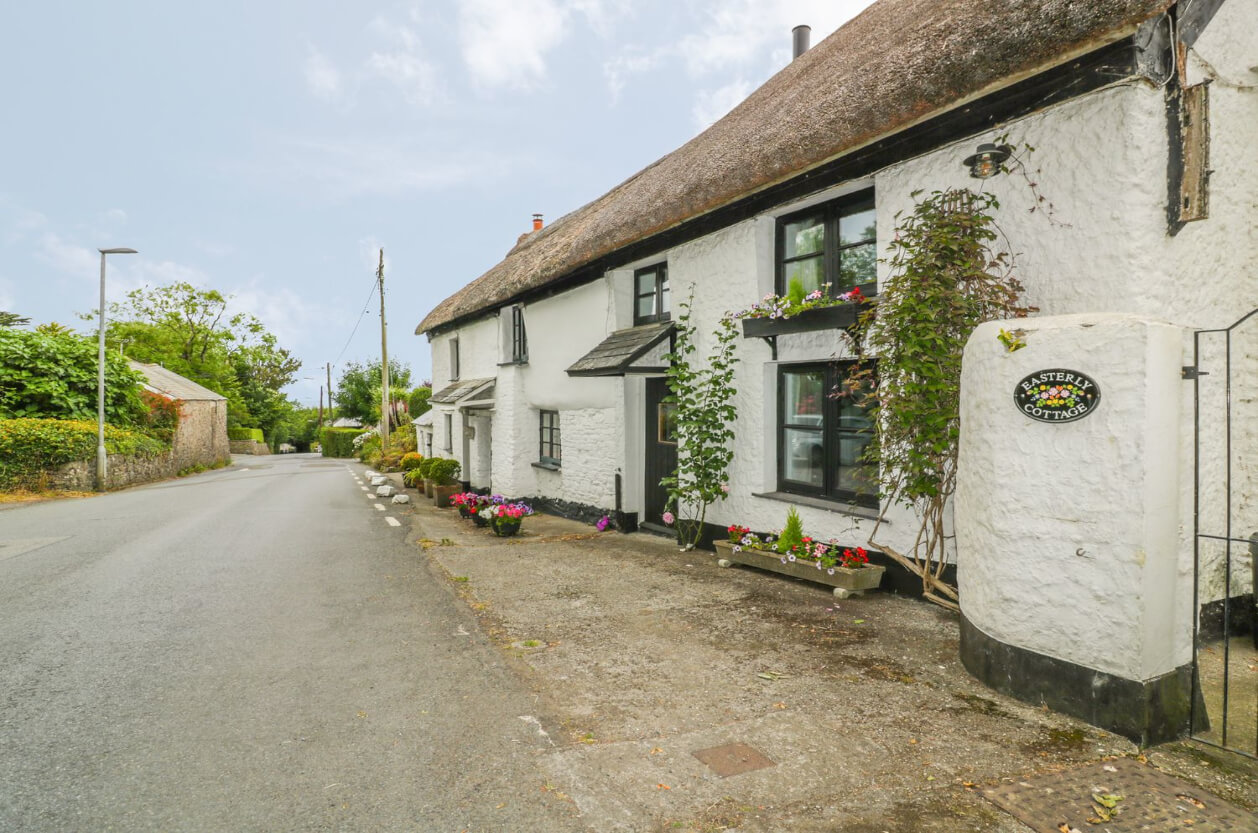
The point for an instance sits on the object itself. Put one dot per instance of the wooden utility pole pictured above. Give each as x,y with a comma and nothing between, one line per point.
384,362
330,415
321,409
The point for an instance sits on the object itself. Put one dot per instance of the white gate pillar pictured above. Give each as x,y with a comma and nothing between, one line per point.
1074,591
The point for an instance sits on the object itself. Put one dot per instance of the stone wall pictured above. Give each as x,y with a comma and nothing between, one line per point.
248,447
121,471
201,438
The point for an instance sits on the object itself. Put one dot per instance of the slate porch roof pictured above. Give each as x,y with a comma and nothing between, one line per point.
616,353
898,63
464,389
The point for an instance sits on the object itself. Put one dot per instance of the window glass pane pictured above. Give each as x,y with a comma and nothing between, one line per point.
803,457
646,306
856,226
858,266
803,397
804,236
644,283
810,273
666,418
664,307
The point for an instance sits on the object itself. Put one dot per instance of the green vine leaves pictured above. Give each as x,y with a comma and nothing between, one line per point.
703,398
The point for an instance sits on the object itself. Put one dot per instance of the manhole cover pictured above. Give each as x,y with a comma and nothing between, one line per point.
1143,799
733,759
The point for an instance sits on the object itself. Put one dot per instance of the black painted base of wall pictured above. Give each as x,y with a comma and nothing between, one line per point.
1147,713
582,512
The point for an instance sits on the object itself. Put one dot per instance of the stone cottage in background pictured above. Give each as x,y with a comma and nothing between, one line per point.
1077,576
201,436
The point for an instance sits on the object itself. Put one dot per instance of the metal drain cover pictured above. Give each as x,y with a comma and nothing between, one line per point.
1150,800
733,759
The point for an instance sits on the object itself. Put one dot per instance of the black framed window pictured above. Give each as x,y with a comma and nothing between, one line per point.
519,338
550,448
833,244
650,294
822,439
454,359
449,427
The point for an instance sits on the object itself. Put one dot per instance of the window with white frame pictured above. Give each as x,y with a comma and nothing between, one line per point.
449,432
454,359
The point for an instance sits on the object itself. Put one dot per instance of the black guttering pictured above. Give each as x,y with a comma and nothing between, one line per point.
1111,64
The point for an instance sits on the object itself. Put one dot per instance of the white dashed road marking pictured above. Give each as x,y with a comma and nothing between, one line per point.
391,521
380,506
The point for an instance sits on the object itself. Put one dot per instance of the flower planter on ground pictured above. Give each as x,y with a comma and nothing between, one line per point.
441,494
846,581
506,527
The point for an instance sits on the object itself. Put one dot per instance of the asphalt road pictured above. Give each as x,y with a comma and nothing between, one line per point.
252,649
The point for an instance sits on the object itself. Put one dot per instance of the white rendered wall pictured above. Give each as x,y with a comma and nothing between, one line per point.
1067,532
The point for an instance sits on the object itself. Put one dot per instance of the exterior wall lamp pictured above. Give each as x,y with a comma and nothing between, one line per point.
987,160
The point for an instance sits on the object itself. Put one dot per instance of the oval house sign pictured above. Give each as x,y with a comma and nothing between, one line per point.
1057,395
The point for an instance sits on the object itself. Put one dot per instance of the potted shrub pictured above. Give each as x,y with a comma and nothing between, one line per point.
846,569
414,470
442,482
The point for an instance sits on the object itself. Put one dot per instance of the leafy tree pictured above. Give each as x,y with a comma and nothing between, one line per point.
418,403
358,393
54,376
12,319
192,332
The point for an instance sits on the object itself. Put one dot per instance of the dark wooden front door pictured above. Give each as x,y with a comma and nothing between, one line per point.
661,449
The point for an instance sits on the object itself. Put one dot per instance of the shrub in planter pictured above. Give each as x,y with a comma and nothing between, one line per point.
410,460
442,480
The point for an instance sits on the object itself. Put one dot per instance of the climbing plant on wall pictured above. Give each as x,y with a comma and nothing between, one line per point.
703,398
947,277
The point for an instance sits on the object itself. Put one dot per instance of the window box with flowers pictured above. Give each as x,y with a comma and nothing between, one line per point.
776,315
845,569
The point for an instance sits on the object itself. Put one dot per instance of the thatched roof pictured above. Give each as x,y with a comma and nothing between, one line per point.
897,63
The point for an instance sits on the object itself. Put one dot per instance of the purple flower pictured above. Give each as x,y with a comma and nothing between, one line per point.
603,523
830,571
737,548
783,560
791,557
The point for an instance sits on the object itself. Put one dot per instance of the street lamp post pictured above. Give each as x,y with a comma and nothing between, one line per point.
100,373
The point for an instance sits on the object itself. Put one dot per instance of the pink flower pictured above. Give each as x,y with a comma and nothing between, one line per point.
668,518
725,488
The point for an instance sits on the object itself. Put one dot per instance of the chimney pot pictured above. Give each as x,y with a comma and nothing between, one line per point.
537,222
800,37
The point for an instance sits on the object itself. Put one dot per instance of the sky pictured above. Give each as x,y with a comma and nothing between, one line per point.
269,149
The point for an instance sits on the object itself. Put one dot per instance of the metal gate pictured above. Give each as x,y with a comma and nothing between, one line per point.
1225,535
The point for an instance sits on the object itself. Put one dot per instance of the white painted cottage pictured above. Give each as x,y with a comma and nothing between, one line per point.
548,369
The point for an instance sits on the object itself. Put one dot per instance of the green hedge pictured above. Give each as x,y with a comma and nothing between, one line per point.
29,448
338,442
254,434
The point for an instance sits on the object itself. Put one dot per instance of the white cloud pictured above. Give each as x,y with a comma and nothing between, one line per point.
401,60
68,258
632,62
21,222
323,79
284,313
743,32
711,105
504,42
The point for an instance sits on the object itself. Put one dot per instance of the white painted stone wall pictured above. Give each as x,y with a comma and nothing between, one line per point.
1100,161
1067,533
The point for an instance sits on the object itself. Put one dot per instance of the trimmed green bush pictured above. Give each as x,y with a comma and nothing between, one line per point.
423,466
338,442
30,448
254,434
443,471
